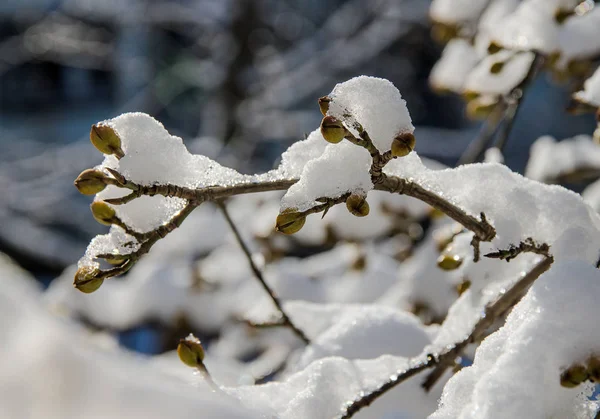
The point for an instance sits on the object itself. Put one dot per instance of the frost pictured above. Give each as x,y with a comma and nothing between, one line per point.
591,90
515,67
544,334
374,103
344,166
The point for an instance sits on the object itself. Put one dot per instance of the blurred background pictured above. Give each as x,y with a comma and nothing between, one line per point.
238,80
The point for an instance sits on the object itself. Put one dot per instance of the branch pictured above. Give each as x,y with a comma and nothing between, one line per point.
513,251
492,312
258,274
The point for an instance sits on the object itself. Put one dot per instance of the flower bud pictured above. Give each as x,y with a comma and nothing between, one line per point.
357,205
463,286
332,130
290,222
90,182
560,15
480,108
403,144
497,67
573,376
593,369
106,140
324,104
190,351
103,213
449,262
86,279
493,48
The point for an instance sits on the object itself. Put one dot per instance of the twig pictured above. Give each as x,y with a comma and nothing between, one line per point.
525,246
258,274
515,98
486,134
492,312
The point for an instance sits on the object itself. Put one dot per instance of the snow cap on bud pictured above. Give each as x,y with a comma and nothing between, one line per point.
324,104
86,279
106,140
103,213
403,144
190,351
90,182
573,376
290,221
449,262
332,129
357,205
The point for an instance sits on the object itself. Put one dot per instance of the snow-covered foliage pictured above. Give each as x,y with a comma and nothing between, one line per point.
405,273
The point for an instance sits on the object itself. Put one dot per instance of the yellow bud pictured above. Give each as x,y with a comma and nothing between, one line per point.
190,351
593,368
561,15
106,140
480,108
442,33
579,67
290,222
494,48
463,286
497,67
573,376
116,259
357,205
403,144
90,182
103,213
324,104
360,263
449,262
332,130
86,279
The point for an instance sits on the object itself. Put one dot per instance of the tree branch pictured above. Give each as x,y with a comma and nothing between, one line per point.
259,276
492,312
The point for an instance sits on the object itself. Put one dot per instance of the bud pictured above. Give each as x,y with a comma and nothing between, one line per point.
190,351
494,48
103,213
443,33
497,67
324,104
403,144
332,130
463,286
480,108
357,205
593,369
561,15
290,222
106,140
86,279
573,376
115,258
449,262
90,182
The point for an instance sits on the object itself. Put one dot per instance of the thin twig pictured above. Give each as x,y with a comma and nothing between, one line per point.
258,274
485,136
492,312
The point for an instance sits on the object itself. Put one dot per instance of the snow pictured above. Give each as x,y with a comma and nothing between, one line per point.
458,59
515,68
374,103
591,90
346,168
551,159
454,12
530,27
577,37
544,334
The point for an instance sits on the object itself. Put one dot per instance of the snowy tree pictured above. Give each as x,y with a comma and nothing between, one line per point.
486,310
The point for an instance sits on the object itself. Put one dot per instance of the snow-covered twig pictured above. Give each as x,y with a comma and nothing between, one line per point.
492,312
